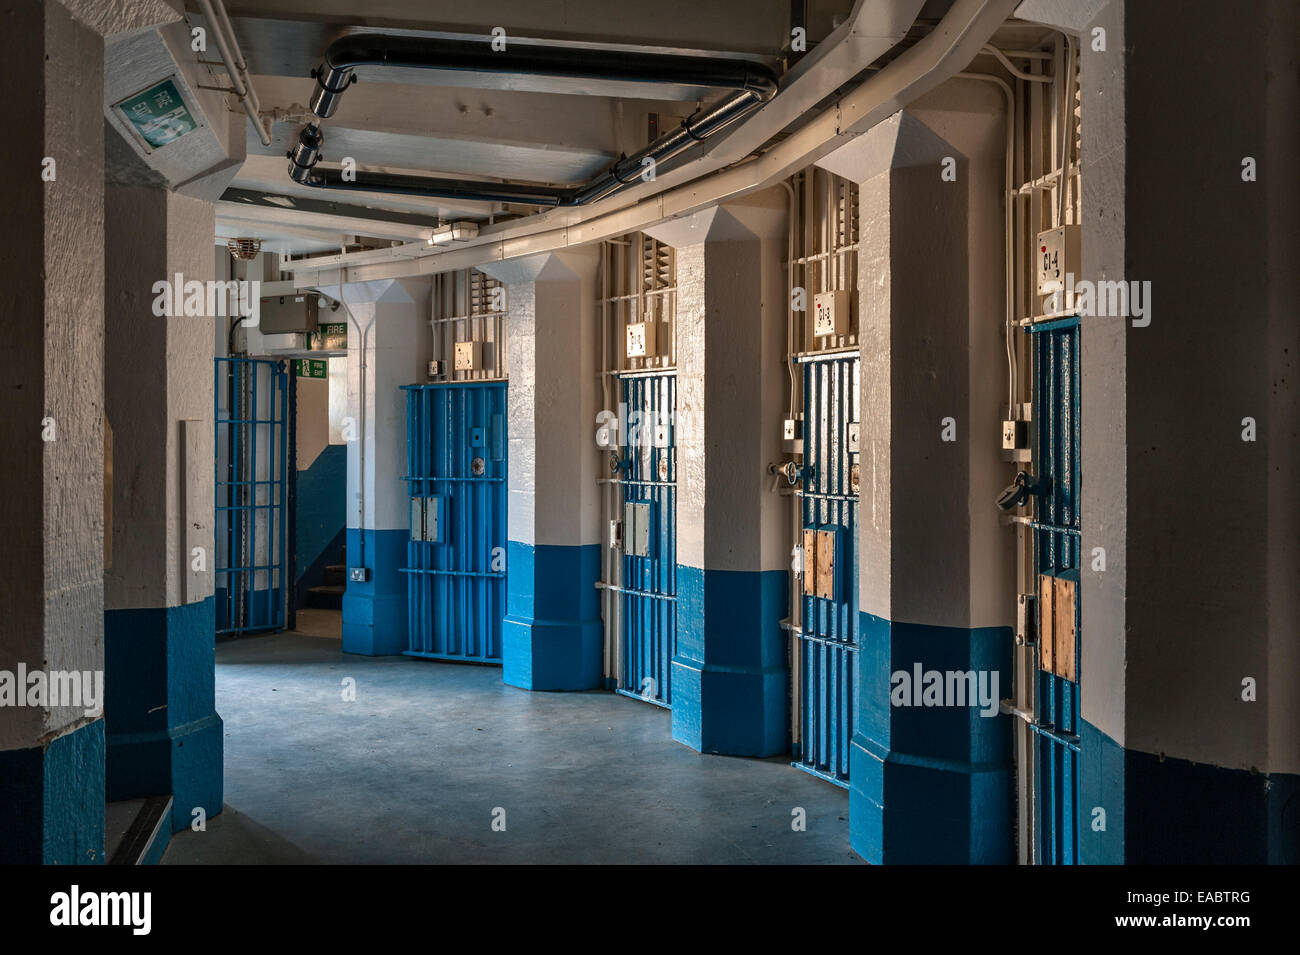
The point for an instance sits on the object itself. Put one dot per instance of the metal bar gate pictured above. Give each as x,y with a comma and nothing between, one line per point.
827,649
649,504
250,411
455,556
1057,561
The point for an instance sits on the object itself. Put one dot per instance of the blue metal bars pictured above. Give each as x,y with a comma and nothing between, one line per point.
827,647
456,552
1057,561
648,476
250,411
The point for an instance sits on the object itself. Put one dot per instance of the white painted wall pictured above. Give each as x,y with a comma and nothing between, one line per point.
398,340
313,420
731,382
552,398
931,311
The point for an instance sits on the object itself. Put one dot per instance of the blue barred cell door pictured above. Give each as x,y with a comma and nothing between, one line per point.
455,555
251,435
827,639
648,592
1057,561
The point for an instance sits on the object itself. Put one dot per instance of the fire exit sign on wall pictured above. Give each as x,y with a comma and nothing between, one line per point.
312,368
158,115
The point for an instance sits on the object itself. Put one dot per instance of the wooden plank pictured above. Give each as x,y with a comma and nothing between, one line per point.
1046,623
826,564
1063,632
809,561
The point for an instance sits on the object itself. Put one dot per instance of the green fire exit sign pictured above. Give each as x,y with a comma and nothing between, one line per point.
312,368
158,115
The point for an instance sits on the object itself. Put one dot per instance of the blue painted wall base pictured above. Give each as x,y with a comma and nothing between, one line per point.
264,613
930,784
52,800
162,730
730,673
1173,811
552,637
374,612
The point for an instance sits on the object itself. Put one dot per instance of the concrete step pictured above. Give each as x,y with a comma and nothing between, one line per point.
335,574
138,830
326,596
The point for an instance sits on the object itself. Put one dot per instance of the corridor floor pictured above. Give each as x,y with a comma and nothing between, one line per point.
418,766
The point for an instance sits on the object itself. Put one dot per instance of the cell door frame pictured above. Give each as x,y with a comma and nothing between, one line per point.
1057,536
648,476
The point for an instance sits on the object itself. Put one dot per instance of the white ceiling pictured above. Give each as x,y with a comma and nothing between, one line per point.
481,126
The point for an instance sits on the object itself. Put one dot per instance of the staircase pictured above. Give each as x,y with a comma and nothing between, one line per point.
328,594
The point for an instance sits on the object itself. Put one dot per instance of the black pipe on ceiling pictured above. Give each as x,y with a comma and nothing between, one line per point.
754,84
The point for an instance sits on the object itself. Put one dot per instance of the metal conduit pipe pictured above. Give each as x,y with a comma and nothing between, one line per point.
754,83
1011,67
233,58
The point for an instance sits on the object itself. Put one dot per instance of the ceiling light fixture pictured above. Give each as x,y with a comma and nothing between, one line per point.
453,232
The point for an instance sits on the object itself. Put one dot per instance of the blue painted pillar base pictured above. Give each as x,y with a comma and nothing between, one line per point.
730,673
374,611
1175,812
930,784
52,800
163,734
552,637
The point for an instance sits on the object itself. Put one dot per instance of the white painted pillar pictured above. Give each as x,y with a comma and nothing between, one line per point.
164,734
388,331
731,669
552,637
51,489
936,583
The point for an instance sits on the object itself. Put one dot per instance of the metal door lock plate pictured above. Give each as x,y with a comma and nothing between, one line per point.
476,467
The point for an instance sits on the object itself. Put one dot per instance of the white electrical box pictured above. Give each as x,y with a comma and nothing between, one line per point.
417,518
1057,257
636,528
641,339
469,356
830,314
427,519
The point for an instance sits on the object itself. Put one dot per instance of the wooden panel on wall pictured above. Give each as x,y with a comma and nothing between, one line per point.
1046,625
1063,631
826,548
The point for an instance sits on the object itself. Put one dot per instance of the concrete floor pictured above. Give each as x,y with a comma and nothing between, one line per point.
413,769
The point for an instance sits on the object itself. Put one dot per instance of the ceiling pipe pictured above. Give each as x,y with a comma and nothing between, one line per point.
753,84
233,58
697,184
